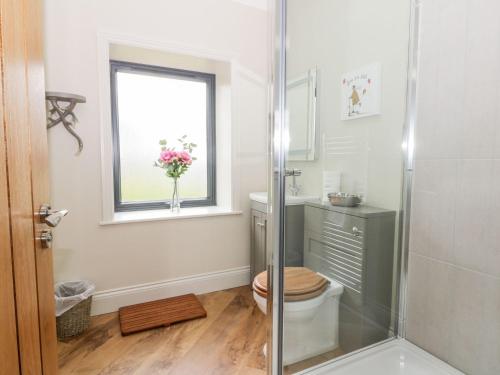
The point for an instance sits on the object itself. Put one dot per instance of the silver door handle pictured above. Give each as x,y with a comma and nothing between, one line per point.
261,224
51,217
46,238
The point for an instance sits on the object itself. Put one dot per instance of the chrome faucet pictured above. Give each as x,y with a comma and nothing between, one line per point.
293,187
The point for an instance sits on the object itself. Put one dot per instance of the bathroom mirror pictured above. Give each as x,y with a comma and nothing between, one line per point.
301,110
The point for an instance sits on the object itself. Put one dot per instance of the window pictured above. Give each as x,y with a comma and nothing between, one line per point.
150,103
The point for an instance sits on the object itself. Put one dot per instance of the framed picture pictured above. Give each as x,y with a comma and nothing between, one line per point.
361,92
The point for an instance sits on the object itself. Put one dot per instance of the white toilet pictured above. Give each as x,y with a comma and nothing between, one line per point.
311,312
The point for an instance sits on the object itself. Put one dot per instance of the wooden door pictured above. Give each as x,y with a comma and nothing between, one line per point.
8,329
26,181
40,180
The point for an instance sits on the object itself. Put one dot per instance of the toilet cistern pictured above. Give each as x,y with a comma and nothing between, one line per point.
293,187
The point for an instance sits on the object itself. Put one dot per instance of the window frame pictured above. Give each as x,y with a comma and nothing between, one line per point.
153,70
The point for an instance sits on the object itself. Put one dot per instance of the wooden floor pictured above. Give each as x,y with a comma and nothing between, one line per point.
228,341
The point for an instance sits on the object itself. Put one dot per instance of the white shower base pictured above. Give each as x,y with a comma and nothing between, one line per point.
396,357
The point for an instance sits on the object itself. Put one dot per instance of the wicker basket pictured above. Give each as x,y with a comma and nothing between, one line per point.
74,321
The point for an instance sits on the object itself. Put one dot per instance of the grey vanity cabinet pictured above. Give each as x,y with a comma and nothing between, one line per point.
258,253
355,246
294,237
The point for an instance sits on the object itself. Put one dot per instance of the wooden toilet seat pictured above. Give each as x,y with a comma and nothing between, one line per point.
301,284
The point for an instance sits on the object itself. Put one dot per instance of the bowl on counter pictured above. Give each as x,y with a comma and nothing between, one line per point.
344,199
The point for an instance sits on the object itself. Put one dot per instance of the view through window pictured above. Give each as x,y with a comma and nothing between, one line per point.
151,103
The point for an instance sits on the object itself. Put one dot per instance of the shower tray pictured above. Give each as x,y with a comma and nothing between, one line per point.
396,357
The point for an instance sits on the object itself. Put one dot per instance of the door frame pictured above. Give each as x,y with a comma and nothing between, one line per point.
279,146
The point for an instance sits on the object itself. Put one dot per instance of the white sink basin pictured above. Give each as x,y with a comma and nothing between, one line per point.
291,200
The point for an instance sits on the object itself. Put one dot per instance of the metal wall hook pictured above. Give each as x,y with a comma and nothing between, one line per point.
61,107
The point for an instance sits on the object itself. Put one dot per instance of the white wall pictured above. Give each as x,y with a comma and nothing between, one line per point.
338,37
123,255
454,264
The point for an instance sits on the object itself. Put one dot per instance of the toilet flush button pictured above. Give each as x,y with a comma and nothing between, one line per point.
356,231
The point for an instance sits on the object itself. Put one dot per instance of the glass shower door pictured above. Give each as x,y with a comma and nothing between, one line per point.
340,98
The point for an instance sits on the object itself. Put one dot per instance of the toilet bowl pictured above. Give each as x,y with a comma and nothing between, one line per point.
311,312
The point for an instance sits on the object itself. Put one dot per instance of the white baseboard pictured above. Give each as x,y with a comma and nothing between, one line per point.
111,300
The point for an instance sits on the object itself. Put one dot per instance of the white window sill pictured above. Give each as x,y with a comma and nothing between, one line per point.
161,215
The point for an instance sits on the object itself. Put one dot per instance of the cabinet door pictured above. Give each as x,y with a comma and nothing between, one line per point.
258,243
263,241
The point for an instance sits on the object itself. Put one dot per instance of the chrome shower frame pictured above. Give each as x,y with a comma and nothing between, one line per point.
279,146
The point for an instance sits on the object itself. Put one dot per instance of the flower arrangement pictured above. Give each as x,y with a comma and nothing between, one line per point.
175,164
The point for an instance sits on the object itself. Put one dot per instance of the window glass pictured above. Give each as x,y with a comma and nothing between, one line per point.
150,106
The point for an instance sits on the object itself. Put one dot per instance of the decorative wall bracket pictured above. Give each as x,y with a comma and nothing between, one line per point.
61,107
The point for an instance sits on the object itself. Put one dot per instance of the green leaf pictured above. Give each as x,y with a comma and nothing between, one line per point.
163,142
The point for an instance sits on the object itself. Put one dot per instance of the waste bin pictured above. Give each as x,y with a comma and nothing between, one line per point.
73,303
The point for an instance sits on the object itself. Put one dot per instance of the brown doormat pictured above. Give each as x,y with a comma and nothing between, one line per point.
160,313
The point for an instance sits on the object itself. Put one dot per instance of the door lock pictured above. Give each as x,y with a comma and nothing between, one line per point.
46,238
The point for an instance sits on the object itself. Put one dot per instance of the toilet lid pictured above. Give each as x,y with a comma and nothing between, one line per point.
300,284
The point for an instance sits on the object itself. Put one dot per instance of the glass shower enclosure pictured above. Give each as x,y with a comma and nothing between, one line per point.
340,176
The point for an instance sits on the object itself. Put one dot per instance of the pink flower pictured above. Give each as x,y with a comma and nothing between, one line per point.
168,156
185,157
171,156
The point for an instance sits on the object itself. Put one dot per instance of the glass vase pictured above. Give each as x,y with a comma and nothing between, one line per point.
175,203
